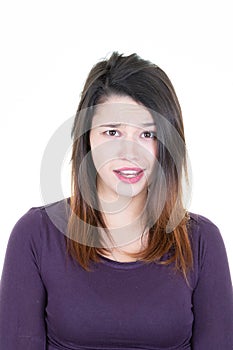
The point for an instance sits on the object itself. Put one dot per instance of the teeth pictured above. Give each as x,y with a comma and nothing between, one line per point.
129,176
129,172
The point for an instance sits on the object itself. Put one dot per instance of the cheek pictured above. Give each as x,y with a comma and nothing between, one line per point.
150,151
102,155
95,145
92,139
103,172
154,148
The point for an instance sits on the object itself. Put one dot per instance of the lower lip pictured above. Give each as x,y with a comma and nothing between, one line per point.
131,180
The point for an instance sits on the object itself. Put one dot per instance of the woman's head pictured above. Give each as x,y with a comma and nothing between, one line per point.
131,82
113,86
123,147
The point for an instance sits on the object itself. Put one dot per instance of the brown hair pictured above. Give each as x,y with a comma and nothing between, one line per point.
148,85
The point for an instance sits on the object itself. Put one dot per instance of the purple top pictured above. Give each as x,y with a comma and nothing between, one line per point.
48,302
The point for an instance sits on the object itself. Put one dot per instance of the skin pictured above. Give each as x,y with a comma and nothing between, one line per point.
130,144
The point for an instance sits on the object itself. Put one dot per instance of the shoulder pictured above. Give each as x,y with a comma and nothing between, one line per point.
32,223
27,224
207,241
33,229
202,228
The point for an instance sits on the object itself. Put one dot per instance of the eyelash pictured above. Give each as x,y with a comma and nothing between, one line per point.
144,132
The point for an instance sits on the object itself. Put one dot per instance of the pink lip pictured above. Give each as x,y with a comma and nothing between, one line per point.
130,180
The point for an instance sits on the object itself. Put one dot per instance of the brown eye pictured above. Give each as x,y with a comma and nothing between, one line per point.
149,134
111,132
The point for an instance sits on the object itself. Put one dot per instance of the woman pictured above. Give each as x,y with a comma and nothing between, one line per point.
132,267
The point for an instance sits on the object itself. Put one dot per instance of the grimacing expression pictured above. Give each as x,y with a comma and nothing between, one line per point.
123,146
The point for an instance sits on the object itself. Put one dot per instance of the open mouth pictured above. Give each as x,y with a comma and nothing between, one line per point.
129,175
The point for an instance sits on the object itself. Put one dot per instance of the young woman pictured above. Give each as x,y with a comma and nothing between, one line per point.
121,264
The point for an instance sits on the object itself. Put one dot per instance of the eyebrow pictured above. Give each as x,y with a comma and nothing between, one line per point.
119,124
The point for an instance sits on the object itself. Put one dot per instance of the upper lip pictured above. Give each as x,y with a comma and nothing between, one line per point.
129,168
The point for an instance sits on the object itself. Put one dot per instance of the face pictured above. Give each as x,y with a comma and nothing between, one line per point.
123,146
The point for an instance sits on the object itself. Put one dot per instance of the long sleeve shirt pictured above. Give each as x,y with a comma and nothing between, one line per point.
49,302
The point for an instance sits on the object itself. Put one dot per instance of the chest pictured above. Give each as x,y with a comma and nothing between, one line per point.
110,307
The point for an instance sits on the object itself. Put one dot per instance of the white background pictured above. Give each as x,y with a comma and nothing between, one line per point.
47,50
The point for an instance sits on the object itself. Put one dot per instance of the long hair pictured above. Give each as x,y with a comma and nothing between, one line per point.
149,86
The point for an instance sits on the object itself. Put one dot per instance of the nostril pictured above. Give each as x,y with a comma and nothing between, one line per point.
130,159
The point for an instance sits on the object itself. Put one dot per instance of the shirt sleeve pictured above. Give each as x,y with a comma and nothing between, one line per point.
22,293
212,296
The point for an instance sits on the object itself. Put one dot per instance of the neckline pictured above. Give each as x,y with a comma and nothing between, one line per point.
121,264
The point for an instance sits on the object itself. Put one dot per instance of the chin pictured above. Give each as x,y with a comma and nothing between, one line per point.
131,192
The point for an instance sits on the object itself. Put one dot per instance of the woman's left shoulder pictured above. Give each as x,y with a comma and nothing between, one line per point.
204,231
202,222
209,250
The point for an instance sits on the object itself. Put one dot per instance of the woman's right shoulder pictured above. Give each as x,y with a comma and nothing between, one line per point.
27,229
31,224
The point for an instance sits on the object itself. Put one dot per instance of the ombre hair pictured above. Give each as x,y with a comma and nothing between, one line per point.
149,86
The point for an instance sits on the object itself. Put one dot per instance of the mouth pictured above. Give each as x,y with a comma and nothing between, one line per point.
129,175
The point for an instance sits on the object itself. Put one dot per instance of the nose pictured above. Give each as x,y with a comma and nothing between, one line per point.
129,150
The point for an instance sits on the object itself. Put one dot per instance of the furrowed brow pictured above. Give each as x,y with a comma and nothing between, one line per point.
119,124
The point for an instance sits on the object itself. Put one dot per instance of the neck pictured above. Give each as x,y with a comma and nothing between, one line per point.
123,210
124,218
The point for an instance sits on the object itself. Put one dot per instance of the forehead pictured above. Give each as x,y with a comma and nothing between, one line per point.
121,111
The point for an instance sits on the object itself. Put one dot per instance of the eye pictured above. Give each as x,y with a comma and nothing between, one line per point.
149,134
111,132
